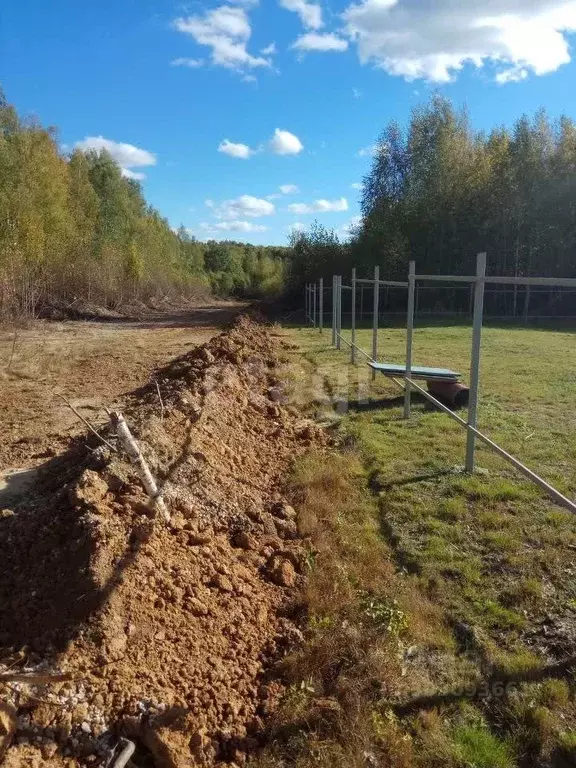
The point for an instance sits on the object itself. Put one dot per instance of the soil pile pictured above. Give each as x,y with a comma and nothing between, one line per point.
165,630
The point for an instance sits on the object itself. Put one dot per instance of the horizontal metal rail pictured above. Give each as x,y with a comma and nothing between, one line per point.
355,346
558,497
448,278
551,282
393,283
550,490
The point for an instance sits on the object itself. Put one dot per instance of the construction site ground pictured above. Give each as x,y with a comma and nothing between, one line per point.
162,633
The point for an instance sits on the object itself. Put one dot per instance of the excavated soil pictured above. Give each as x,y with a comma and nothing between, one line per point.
166,632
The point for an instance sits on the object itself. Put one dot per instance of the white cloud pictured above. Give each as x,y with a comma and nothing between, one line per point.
285,143
347,228
320,206
434,41
270,50
357,185
310,13
241,151
191,63
312,41
226,30
245,206
289,189
297,226
239,226
126,155
368,151
135,175
512,75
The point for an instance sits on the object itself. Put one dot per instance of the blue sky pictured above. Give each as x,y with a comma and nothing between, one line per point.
219,105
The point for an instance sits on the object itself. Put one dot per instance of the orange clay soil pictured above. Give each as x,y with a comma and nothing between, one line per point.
168,632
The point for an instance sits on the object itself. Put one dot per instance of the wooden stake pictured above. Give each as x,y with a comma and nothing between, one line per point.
90,427
159,398
134,454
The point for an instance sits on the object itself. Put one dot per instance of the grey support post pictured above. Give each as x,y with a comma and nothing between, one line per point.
353,320
338,310
321,304
313,289
333,310
409,332
375,311
475,359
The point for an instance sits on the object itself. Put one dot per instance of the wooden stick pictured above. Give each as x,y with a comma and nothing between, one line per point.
12,351
134,454
159,398
90,427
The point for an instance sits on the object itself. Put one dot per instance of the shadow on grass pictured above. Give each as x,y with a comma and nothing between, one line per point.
489,687
376,484
387,403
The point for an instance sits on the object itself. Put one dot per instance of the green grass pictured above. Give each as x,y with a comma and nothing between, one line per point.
491,550
478,748
486,544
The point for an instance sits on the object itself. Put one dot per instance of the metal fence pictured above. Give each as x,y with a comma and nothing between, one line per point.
314,311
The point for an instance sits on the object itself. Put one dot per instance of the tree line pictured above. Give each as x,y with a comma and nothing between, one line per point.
72,227
439,192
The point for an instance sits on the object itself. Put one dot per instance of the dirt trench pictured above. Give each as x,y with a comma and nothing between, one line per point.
167,633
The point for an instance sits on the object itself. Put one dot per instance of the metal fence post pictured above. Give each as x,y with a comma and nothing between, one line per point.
321,304
313,291
333,310
526,304
353,320
375,318
338,310
475,359
409,332
306,304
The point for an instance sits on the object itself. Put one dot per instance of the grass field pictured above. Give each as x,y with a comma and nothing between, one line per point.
490,553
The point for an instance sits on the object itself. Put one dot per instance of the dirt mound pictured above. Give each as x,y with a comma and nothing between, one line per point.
166,631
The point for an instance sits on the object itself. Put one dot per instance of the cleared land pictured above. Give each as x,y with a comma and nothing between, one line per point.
89,363
330,597
490,551
166,632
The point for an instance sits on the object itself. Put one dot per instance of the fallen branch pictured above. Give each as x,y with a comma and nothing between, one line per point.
135,455
87,423
32,678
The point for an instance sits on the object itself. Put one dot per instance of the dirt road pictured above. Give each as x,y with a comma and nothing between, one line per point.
90,364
